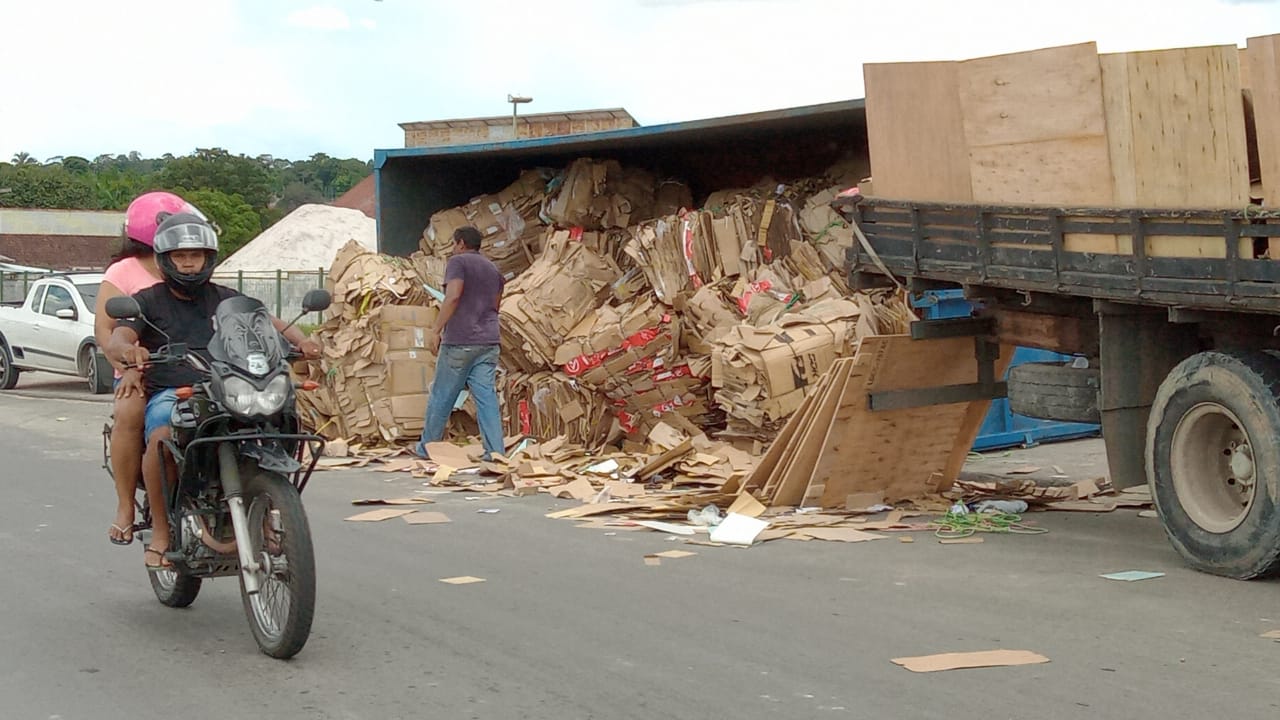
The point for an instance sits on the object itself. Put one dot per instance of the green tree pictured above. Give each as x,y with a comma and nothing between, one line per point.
217,169
24,158
45,186
295,195
237,220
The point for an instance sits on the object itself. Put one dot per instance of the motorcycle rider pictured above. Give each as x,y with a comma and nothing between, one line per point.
133,269
182,308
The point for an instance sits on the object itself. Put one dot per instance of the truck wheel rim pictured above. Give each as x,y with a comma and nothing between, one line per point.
1211,463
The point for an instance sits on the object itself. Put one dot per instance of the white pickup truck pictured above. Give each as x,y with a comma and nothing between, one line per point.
52,331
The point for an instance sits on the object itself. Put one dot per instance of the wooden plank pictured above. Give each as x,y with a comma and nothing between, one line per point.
967,433
1036,132
1058,333
777,487
900,452
1033,96
763,472
1189,146
915,132
1264,82
795,485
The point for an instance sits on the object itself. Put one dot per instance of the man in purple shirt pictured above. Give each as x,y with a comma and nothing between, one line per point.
465,339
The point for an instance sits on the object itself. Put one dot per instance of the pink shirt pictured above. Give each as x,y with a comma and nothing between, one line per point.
130,277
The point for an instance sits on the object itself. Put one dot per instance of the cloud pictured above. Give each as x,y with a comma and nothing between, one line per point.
368,23
319,17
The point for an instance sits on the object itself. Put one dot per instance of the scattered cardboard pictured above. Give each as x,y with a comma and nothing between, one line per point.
667,527
747,505
849,535
394,501
960,661
961,541
427,518
673,554
1132,575
1271,635
453,456
379,515
462,580
580,489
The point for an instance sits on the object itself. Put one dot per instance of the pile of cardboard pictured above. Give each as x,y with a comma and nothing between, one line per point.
632,303
508,220
376,371
541,307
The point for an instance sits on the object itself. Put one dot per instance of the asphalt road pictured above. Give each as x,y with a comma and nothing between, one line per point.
571,623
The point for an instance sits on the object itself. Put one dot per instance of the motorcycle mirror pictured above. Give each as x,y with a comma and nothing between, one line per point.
316,300
122,308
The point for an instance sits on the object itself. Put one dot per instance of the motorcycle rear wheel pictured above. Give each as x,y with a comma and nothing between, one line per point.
280,613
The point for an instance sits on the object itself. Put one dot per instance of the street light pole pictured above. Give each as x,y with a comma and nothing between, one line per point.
516,101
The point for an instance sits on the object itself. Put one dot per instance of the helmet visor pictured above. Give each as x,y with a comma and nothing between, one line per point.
187,236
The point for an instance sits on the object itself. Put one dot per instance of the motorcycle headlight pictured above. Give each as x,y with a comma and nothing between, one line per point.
243,399
269,401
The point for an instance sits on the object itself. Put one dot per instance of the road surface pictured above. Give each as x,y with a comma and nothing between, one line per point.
571,623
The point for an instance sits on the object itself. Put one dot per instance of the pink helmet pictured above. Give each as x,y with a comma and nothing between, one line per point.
148,210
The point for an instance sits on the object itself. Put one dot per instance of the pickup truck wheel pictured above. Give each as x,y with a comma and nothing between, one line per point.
1055,391
97,370
1214,465
8,373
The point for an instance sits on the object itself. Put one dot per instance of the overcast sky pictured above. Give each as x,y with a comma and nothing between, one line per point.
295,77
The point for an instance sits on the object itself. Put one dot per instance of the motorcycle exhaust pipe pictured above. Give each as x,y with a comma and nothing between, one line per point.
229,465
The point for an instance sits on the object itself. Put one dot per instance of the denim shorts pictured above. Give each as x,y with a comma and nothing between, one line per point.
159,411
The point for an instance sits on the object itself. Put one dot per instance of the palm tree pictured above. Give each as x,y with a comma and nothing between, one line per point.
24,158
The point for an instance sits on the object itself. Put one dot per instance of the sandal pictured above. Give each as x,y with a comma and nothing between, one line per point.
164,564
125,537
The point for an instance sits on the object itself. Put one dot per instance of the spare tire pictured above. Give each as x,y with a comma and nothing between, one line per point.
1055,391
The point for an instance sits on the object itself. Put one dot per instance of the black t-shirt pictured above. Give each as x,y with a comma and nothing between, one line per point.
184,321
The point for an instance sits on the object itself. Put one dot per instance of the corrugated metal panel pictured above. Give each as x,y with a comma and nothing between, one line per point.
77,223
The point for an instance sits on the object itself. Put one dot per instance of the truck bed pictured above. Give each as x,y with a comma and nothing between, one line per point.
1030,248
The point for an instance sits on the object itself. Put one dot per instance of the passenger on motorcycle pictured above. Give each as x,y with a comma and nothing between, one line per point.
181,311
132,270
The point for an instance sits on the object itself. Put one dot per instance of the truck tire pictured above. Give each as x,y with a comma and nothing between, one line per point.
1054,391
1214,465
8,373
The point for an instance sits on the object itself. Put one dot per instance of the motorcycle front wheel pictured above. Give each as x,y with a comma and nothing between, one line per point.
280,612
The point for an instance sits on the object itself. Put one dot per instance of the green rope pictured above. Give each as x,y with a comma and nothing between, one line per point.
954,525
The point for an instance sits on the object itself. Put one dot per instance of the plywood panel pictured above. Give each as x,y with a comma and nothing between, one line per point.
1189,145
899,452
1036,131
1065,171
1264,79
915,132
1032,96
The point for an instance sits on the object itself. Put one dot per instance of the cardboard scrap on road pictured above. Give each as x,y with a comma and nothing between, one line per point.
427,518
1271,635
961,541
379,515
674,554
961,661
1132,575
393,501
462,580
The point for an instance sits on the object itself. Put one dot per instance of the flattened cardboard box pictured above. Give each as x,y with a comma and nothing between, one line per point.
409,372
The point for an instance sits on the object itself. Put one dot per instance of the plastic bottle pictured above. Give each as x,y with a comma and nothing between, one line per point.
1012,507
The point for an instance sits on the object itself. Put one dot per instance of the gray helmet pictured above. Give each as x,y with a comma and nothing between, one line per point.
185,231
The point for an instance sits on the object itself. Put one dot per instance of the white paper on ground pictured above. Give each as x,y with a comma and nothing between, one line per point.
738,529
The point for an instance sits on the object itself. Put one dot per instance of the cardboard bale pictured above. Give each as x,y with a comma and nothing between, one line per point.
546,405
540,308
600,194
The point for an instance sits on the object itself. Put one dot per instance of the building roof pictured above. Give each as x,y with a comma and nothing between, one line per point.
74,223
360,197
607,114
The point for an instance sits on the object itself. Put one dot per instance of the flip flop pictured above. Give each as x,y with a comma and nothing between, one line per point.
164,564
124,533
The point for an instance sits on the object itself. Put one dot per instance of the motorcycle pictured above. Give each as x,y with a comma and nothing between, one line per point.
235,505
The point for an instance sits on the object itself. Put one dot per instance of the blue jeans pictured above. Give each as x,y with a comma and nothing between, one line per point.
159,411
474,367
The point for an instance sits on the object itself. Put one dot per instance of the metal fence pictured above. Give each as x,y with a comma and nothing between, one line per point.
281,291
